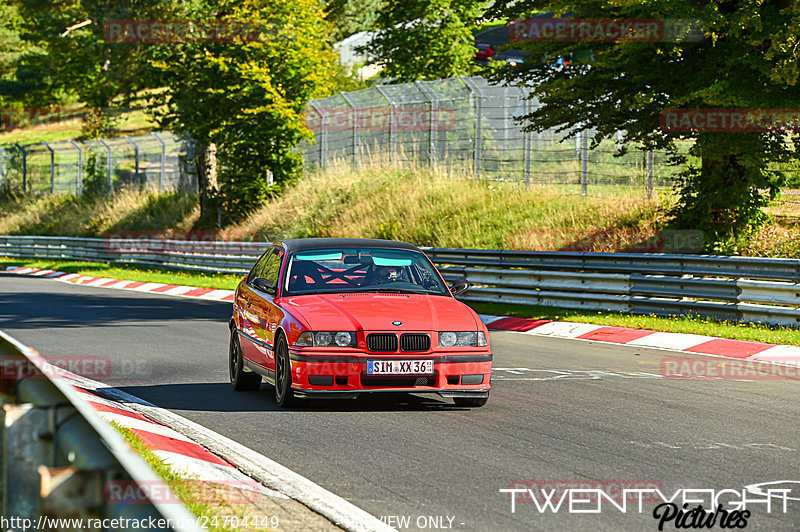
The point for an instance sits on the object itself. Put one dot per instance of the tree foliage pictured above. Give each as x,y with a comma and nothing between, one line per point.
351,16
425,39
747,59
247,98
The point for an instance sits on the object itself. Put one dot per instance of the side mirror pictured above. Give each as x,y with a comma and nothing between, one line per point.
264,285
460,286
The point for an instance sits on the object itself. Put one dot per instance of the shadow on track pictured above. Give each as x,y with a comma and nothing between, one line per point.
77,308
219,397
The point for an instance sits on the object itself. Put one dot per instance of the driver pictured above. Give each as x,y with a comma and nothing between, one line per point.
387,274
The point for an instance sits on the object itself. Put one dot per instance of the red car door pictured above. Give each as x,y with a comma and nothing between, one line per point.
264,309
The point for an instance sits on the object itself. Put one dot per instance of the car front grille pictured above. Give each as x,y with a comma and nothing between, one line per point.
398,381
415,342
382,342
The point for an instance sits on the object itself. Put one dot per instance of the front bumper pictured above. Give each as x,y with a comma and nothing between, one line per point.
323,373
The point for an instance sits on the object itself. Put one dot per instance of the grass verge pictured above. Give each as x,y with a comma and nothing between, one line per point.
214,515
681,324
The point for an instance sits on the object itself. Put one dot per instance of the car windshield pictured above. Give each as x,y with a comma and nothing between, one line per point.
361,270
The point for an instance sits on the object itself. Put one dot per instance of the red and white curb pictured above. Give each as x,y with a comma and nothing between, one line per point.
186,447
212,294
687,343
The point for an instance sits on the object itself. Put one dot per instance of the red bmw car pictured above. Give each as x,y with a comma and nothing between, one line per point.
338,318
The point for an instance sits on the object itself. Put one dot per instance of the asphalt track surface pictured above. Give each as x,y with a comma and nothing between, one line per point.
566,410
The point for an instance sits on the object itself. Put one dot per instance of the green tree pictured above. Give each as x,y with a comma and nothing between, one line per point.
426,39
351,16
243,102
745,57
69,54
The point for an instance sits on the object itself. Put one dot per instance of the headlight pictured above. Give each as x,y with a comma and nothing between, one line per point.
470,338
326,339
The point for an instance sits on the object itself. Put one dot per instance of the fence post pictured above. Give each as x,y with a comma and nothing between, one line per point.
351,103
431,131
584,136
108,165
323,135
649,167
80,166
527,142
24,167
52,167
473,89
392,118
162,174
136,159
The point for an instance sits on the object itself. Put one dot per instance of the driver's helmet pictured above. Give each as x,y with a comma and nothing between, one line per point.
386,274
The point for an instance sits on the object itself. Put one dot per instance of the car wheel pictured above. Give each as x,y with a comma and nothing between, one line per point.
241,380
284,395
473,402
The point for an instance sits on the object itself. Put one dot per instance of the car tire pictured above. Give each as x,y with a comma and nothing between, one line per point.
472,402
284,395
241,380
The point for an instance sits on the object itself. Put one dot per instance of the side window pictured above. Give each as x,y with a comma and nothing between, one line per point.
258,269
273,267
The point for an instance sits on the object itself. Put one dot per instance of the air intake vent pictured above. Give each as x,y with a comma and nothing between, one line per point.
415,342
382,342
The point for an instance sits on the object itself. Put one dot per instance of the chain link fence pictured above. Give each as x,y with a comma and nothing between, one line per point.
471,124
158,161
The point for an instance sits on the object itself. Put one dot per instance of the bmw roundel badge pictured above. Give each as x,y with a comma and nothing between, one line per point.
397,323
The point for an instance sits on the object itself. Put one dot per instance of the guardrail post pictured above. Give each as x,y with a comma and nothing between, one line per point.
135,158
431,126
24,167
108,164
648,181
80,166
52,167
27,437
584,136
351,103
162,175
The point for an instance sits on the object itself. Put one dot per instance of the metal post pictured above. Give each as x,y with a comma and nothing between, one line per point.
136,159
527,142
323,134
80,166
431,127
473,89
162,175
584,136
649,166
24,167
392,121
52,167
108,165
351,103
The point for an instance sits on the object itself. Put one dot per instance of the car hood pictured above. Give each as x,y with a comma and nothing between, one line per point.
376,312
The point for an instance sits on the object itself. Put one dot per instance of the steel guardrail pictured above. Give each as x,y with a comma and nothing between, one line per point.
732,288
48,430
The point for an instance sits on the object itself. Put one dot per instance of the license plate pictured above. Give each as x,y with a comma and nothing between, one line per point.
399,367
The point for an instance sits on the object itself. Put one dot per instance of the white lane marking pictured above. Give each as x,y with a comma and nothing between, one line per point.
564,329
568,374
216,294
178,290
711,446
100,281
138,424
146,287
338,510
189,466
666,340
